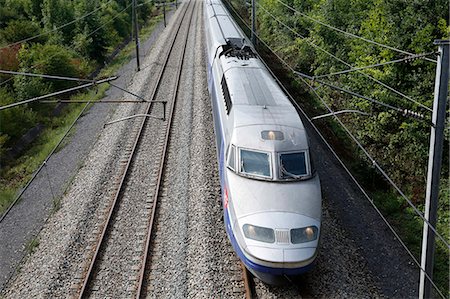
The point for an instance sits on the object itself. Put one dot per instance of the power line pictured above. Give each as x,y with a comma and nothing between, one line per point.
403,111
57,93
6,81
361,147
59,27
376,165
43,163
343,165
348,33
129,92
46,76
109,21
406,59
344,62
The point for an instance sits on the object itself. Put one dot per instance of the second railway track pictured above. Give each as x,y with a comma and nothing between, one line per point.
117,266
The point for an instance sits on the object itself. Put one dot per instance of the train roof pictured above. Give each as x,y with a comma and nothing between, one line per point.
221,23
252,125
258,103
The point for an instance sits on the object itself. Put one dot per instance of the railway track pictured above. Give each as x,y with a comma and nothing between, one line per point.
249,283
93,284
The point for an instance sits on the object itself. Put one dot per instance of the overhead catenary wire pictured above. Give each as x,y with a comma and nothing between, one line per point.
372,160
403,111
6,81
341,162
57,93
109,21
127,91
344,62
44,163
391,182
406,59
348,33
391,228
102,5
45,76
376,165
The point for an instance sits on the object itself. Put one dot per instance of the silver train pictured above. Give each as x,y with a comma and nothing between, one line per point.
271,194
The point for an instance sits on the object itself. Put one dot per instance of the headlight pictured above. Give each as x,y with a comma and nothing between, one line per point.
258,233
304,234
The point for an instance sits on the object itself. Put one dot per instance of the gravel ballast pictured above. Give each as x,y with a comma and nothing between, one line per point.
191,256
54,268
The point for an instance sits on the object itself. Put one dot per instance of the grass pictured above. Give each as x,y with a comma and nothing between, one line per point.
7,195
16,174
31,245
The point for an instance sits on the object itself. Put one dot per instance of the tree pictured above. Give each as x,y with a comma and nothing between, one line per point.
18,30
91,35
14,122
50,60
56,13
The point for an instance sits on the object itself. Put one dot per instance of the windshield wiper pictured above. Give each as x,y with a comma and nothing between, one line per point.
242,166
285,172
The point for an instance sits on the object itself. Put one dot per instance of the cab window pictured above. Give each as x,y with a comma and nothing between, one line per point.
293,165
231,157
255,163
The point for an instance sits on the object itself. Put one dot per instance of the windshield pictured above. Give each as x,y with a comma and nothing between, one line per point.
255,163
293,165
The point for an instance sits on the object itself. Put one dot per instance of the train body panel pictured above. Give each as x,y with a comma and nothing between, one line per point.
270,191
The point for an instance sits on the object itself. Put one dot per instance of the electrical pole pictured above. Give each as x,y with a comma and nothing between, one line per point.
254,23
164,13
136,33
434,166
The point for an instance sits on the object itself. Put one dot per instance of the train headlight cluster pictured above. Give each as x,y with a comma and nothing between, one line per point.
258,233
304,234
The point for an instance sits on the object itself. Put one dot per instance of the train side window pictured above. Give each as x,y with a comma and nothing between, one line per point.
231,161
226,95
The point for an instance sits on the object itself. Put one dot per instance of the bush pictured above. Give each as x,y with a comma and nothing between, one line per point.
51,60
18,30
14,122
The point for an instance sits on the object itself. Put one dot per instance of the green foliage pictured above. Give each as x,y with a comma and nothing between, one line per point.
90,38
6,197
32,245
14,122
56,13
399,144
73,51
46,59
18,30
6,15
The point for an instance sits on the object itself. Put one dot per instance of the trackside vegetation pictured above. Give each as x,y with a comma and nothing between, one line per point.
399,144
72,39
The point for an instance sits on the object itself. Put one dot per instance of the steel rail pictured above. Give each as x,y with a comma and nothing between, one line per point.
163,159
249,283
94,259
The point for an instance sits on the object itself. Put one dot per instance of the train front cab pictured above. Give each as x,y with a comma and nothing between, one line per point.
272,202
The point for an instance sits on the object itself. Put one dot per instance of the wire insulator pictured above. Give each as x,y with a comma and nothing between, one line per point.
413,114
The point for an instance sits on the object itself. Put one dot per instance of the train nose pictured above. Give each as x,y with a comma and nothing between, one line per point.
282,257
286,239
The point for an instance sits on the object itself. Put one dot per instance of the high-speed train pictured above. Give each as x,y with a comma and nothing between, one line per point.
270,192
